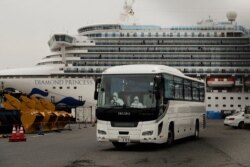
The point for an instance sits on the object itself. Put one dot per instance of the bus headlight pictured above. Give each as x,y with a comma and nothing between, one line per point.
101,132
147,133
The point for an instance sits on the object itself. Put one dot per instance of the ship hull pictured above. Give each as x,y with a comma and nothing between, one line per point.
61,91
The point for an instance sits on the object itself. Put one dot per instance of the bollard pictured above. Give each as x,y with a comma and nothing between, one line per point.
69,126
79,125
85,124
40,130
93,123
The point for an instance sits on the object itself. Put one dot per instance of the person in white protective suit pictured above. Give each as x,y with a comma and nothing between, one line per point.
116,100
136,103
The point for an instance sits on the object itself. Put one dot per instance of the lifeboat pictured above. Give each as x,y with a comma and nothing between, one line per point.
220,82
247,82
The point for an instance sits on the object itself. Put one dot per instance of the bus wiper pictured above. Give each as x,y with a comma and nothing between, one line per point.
116,106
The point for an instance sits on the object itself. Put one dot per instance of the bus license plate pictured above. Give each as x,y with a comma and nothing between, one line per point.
123,139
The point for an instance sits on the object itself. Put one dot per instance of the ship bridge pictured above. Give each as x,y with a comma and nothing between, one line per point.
58,40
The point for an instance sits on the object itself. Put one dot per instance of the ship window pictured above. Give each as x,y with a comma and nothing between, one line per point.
231,105
216,98
246,98
224,105
216,105
239,98
54,87
239,105
209,105
75,87
231,98
80,98
68,87
60,87
208,97
224,98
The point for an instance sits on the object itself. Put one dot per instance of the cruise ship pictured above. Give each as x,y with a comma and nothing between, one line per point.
217,52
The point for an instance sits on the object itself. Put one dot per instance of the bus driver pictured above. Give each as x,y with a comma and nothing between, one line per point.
116,100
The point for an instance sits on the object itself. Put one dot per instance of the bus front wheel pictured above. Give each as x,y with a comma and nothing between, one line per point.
119,145
170,139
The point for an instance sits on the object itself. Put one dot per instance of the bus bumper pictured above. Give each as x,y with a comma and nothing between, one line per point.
146,132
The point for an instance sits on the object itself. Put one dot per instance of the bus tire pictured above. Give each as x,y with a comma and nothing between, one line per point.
119,145
170,139
197,130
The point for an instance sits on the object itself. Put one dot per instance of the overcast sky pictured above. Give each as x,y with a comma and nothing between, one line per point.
27,25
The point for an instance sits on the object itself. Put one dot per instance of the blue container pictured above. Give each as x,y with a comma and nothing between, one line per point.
213,115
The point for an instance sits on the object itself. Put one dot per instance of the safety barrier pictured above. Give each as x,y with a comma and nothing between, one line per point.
68,125
17,134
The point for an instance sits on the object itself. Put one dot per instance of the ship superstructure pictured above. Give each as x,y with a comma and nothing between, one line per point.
218,53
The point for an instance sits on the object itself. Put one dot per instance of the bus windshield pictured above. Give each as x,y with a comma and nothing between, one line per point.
130,91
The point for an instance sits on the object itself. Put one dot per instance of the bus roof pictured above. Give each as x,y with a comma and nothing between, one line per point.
146,69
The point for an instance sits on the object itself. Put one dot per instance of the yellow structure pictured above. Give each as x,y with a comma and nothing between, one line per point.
37,113
30,117
11,103
48,113
62,117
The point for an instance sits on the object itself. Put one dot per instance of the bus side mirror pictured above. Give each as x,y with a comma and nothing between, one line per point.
157,86
97,86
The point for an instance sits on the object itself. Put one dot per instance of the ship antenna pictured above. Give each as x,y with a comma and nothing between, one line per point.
128,13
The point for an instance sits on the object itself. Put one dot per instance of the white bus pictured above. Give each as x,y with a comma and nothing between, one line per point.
148,104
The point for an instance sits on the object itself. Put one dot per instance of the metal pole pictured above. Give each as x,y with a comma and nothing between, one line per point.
85,124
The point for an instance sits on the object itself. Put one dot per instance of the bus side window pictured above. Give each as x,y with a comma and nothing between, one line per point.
178,91
168,86
195,91
202,92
